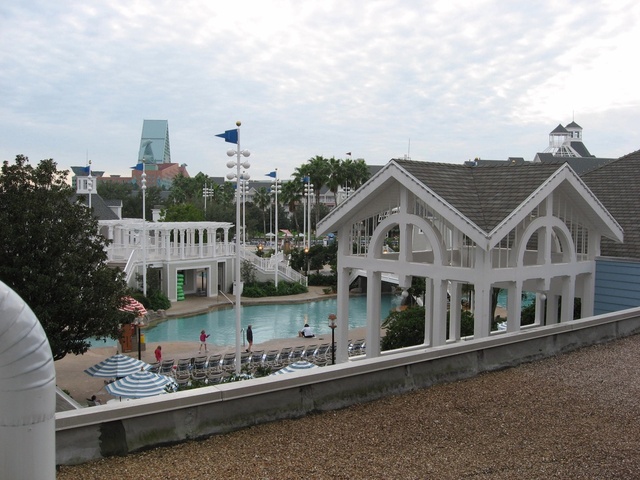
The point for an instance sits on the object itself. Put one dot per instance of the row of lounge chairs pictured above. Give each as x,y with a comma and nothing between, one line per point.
212,368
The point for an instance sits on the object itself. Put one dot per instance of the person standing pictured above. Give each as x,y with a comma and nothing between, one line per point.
203,341
249,338
158,353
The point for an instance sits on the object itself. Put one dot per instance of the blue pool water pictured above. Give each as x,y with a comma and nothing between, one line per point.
268,322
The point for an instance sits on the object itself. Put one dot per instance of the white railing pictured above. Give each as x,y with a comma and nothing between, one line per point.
268,266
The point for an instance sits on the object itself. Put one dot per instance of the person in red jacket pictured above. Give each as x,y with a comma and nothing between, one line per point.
203,341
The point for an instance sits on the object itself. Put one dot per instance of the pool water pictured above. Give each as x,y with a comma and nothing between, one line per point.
268,322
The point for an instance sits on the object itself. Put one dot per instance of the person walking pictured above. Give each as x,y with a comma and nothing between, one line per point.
249,338
203,341
158,352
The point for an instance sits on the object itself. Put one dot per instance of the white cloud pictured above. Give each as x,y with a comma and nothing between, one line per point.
455,79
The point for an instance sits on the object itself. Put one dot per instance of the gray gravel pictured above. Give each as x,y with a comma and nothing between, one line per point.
574,416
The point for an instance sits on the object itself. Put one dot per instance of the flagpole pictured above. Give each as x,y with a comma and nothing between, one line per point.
276,232
144,229
233,136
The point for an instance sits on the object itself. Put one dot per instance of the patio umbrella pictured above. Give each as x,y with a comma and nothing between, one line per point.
140,385
133,305
299,366
117,366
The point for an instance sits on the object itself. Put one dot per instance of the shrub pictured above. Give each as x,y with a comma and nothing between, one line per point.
404,329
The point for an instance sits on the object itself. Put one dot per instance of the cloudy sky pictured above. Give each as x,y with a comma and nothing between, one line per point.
441,81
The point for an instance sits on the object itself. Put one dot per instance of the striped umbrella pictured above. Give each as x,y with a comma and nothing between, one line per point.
133,305
299,366
117,366
140,385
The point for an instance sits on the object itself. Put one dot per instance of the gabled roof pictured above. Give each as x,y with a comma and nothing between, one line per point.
100,209
559,130
617,185
579,165
483,199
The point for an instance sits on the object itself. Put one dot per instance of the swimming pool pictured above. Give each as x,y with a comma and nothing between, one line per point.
268,322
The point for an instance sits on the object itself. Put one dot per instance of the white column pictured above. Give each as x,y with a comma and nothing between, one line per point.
514,306
372,334
439,312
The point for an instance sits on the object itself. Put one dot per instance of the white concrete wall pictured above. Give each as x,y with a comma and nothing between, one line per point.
126,427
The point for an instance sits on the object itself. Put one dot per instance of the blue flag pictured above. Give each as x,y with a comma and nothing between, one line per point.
139,166
230,136
273,174
306,180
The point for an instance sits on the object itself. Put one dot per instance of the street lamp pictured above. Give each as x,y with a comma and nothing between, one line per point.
233,136
90,184
275,188
144,231
138,323
332,326
143,187
206,192
308,191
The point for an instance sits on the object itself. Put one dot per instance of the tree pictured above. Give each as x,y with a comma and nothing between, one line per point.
182,212
53,257
404,328
262,199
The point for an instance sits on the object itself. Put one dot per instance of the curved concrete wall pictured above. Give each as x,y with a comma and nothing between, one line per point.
27,392
130,426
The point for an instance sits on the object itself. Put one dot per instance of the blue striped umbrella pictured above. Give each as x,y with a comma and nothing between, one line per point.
140,385
299,366
117,366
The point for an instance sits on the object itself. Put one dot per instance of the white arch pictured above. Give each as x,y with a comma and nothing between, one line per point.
377,238
561,230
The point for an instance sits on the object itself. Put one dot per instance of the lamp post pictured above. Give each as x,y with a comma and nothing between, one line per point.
233,136
308,191
206,192
139,324
90,184
332,326
275,188
144,230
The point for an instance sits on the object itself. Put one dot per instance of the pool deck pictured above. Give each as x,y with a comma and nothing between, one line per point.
71,378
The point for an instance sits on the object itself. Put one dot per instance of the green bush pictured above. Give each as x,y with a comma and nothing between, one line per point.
268,289
404,329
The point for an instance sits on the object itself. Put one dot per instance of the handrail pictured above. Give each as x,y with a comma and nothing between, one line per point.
225,296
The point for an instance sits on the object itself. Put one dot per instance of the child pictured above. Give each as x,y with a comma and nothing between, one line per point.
203,341
158,353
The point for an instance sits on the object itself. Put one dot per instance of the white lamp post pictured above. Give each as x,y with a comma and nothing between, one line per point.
90,184
238,177
144,230
308,191
275,188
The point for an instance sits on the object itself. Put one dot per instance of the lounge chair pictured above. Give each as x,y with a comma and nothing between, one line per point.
228,361
285,356
271,357
183,366
309,352
296,354
213,364
200,363
257,357
213,378
356,348
166,367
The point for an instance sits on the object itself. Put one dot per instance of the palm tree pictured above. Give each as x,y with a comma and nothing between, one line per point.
336,176
291,196
317,169
355,173
262,199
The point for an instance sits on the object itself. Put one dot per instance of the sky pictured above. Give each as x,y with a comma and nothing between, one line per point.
438,81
